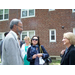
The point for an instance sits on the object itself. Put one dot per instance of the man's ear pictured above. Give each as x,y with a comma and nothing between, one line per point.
14,26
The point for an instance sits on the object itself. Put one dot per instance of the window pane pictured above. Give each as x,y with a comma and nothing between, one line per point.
6,11
1,17
52,38
24,13
6,16
0,36
31,34
23,35
31,12
1,11
52,32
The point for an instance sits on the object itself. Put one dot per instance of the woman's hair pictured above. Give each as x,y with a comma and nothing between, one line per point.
38,40
27,38
70,36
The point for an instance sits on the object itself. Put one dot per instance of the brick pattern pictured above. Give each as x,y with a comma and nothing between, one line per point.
42,22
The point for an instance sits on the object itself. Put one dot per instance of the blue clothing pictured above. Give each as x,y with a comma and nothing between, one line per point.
32,50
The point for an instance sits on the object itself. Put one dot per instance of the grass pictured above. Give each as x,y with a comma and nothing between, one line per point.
55,62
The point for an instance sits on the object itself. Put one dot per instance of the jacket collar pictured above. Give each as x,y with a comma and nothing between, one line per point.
14,34
70,47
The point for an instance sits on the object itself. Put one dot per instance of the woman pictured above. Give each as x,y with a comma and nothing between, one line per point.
33,53
24,49
68,55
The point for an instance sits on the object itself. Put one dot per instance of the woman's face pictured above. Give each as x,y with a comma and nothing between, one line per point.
35,41
66,41
26,41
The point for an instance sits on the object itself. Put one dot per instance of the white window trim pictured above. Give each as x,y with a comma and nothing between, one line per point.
51,9
27,33
27,16
74,30
3,16
2,35
73,11
50,35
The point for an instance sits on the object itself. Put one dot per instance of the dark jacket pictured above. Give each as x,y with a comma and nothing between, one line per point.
30,54
69,57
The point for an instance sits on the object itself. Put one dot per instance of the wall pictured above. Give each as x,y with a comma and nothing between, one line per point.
43,21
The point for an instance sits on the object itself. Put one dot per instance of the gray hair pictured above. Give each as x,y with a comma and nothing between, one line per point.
14,22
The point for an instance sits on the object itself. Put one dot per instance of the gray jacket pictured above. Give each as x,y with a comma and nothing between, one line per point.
11,54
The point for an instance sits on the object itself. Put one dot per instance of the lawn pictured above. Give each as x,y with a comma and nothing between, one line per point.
55,62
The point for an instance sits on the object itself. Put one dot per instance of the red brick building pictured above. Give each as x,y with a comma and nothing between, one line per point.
48,24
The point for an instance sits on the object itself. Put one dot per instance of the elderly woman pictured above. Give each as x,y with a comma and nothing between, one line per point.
68,55
24,49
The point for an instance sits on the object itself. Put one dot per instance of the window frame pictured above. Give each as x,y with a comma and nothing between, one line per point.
2,33
74,30
4,14
51,35
51,9
73,11
27,33
27,13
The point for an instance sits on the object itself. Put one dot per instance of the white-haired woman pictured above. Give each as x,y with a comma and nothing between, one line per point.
68,55
24,49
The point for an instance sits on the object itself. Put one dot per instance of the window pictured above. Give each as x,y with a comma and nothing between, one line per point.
74,30
4,14
51,9
27,13
27,33
1,36
73,10
52,33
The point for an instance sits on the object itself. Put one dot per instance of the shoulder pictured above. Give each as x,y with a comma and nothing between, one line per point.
29,48
9,36
42,46
23,45
72,50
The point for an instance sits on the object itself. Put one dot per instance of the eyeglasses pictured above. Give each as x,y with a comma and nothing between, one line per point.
35,39
20,26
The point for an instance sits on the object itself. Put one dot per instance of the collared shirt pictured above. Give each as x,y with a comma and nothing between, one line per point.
66,51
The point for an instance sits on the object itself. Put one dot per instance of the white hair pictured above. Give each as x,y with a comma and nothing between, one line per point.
14,22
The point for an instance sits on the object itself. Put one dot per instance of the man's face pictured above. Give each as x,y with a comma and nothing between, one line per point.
19,28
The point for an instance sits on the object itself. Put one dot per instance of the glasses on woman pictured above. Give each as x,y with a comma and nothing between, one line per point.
35,39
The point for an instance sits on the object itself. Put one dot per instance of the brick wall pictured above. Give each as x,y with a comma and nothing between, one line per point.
42,22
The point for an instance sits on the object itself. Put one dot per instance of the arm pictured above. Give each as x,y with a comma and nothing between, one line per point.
72,58
45,54
12,51
29,57
23,51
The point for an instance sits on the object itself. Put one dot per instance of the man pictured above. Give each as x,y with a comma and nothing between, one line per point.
1,42
11,54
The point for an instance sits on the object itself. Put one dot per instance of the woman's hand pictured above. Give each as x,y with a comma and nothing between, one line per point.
62,52
34,56
39,55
